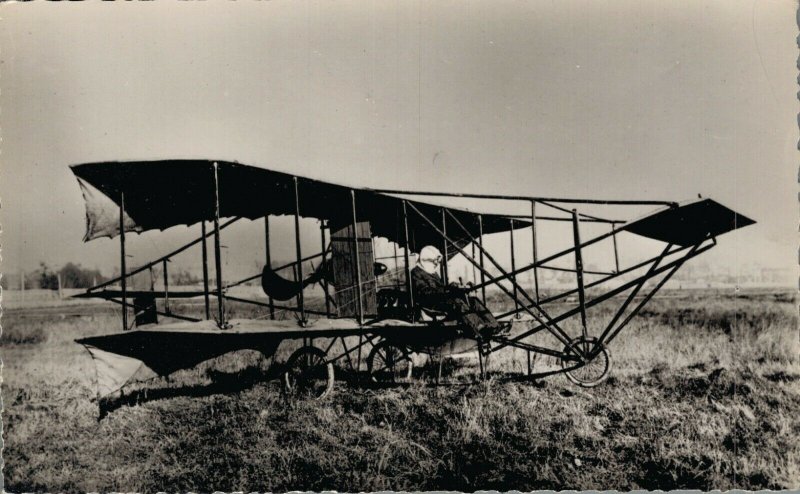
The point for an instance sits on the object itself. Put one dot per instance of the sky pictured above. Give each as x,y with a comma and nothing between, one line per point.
628,99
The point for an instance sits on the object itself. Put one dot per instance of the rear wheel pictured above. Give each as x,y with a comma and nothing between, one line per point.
389,363
308,374
592,371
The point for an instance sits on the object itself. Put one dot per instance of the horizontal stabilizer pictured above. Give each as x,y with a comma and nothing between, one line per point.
689,223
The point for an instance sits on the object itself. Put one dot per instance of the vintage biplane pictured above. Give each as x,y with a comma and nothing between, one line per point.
370,310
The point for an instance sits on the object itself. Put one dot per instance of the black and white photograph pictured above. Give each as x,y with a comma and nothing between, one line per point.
360,245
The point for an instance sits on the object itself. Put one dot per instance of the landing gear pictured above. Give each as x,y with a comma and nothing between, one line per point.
593,370
308,374
389,363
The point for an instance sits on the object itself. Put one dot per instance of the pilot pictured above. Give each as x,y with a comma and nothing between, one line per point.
431,293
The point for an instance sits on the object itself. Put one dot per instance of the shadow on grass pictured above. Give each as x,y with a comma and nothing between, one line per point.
221,383
224,383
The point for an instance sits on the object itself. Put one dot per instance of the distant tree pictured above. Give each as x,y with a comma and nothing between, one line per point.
48,280
72,276
75,276
183,277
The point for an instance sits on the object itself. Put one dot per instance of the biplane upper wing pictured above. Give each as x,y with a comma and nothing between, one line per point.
688,223
162,194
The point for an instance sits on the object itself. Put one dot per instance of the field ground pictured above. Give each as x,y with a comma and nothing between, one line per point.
704,394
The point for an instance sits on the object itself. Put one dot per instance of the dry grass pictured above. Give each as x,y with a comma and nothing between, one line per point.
704,394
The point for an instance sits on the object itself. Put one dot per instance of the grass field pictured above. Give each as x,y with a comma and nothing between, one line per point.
704,394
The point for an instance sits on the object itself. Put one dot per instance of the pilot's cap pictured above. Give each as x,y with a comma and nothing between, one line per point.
430,253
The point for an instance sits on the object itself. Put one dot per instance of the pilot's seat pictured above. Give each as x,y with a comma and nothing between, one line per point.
393,303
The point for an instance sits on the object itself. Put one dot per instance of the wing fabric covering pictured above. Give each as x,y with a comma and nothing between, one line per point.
119,356
163,194
102,214
688,224
113,370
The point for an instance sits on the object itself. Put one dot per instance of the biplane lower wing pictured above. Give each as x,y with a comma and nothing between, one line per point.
688,224
164,349
118,357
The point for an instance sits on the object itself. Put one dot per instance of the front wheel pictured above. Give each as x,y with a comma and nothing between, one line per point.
591,372
308,374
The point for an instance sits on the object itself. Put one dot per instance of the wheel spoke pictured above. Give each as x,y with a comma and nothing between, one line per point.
308,373
590,372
